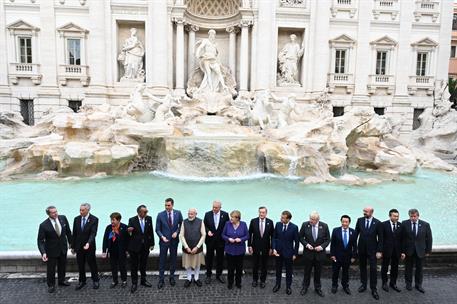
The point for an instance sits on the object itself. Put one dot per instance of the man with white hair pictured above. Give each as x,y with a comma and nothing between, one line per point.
315,237
192,237
85,228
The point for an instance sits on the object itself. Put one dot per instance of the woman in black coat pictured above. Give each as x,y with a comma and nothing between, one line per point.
115,244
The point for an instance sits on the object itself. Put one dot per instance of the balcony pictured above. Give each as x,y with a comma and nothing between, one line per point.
427,8
340,81
416,83
74,72
347,6
381,82
24,70
386,7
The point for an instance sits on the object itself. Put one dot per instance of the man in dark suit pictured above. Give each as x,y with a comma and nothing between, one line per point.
85,228
391,250
214,221
261,231
140,244
417,244
168,226
54,234
369,232
343,252
315,237
285,249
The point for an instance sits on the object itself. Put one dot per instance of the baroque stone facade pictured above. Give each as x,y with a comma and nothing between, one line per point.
381,54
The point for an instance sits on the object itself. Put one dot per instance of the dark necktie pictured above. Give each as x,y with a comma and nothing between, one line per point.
170,223
284,227
414,229
367,225
394,227
83,223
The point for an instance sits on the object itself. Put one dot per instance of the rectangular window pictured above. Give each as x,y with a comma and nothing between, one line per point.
421,66
74,51
27,111
453,51
416,121
25,49
454,22
379,111
338,111
74,105
381,62
340,61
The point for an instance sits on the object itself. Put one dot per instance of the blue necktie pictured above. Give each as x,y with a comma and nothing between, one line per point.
142,225
367,226
83,223
345,238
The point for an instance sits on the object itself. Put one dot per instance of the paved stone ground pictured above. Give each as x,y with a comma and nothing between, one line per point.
440,288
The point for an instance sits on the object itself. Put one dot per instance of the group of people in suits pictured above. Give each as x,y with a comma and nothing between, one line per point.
226,236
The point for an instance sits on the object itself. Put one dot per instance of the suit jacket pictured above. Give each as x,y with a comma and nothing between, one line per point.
163,229
323,240
216,239
421,243
286,243
392,242
258,243
122,239
337,248
370,241
137,237
87,235
48,240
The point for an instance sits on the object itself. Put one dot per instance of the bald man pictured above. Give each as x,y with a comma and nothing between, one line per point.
214,224
370,243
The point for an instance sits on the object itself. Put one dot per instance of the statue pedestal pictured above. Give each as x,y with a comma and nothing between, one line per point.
213,102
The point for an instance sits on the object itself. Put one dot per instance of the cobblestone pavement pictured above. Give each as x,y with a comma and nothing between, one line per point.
440,288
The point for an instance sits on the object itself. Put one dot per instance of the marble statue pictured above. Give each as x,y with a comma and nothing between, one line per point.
138,109
262,110
206,53
164,111
287,106
131,57
288,59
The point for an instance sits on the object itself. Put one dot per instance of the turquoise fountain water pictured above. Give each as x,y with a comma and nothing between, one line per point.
23,202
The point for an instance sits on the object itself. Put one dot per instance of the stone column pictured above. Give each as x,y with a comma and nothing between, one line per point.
266,28
48,61
3,54
232,49
157,51
97,53
244,55
179,55
191,49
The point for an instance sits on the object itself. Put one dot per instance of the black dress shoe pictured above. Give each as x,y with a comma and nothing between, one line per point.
394,287
198,283
51,289
160,284
187,283
254,284
208,280
96,285
133,288
172,281
64,284
262,284
80,285
375,295
420,289
319,292
334,289
385,287
124,284
220,279
276,288
230,286
409,287
288,291
238,286
362,288
113,284
146,284
347,290
303,291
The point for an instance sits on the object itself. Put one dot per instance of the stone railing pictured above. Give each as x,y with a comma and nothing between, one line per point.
74,72
348,6
421,83
427,8
340,80
381,82
24,70
391,7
